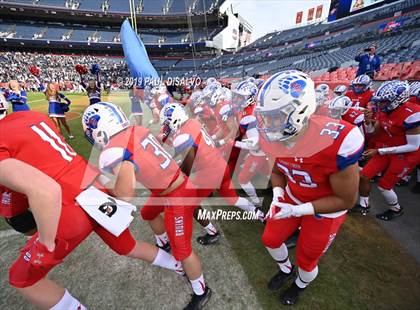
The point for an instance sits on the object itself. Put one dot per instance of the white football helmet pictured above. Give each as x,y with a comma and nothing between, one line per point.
173,115
284,104
339,106
220,94
4,106
196,98
340,90
322,92
244,94
103,120
209,90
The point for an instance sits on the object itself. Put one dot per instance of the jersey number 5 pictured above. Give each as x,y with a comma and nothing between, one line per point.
48,135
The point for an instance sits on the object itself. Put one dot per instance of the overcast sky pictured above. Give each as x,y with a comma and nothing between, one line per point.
269,15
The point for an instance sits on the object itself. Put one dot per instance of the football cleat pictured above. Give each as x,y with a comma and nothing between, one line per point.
291,295
359,209
390,214
166,247
280,279
208,239
199,301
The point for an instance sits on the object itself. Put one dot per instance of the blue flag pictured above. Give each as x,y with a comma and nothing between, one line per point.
136,56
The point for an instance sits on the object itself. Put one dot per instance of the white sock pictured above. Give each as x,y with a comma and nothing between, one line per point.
244,204
166,260
305,277
68,302
281,256
390,198
162,239
210,229
198,285
250,191
364,201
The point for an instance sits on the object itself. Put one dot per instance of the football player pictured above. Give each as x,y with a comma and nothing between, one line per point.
322,94
398,124
342,108
243,101
415,98
340,90
360,92
191,140
39,145
315,176
133,154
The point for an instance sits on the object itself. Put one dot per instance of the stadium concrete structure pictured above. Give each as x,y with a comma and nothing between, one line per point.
207,38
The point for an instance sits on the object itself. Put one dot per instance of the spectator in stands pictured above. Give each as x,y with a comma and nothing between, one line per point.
369,62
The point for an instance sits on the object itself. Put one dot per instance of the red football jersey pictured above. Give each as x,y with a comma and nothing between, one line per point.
354,116
208,160
31,137
246,119
393,126
155,168
360,100
209,119
12,203
326,147
223,111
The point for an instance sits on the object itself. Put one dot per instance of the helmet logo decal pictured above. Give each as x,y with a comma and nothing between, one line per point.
293,86
93,121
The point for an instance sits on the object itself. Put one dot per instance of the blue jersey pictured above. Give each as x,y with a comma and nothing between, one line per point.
94,94
18,101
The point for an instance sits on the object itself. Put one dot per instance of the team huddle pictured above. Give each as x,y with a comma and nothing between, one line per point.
319,152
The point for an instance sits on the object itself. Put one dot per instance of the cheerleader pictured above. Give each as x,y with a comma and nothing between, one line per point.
16,96
92,87
57,108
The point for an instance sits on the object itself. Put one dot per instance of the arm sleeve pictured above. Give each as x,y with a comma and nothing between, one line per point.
413,143
413,121
183,142
351,149
112,157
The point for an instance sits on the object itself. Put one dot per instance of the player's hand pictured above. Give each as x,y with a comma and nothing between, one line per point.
39,256
368,115
285,210
370,153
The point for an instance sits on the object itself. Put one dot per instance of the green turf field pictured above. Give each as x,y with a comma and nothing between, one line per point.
363,269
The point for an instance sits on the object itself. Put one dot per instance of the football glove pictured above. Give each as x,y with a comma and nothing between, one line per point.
282,210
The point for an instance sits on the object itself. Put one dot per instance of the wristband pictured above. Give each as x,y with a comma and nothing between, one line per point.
306,209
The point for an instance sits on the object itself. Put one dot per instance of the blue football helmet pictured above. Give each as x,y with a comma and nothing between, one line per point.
391,94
